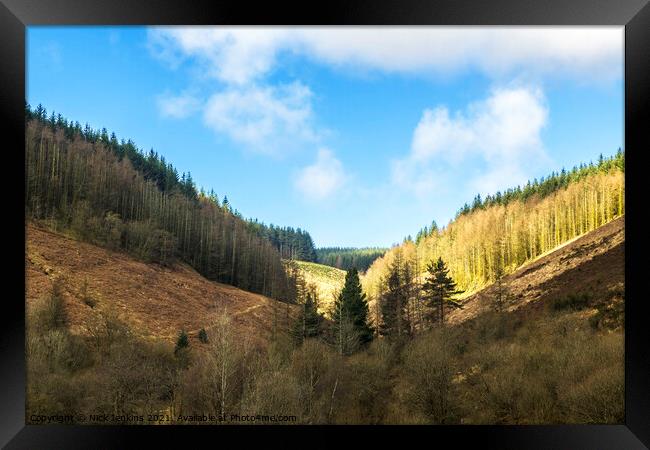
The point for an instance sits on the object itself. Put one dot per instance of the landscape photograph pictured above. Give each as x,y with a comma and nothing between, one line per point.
324,225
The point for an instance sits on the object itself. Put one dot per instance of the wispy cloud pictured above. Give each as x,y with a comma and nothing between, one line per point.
270,120
244,54
323,178
265,118
584,52
236,55
177,106
502,133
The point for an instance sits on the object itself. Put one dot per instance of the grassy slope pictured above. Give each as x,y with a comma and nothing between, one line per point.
156,301
328,280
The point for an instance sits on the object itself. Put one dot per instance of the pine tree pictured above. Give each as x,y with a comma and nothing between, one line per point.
203,336
182,342
345,337
438,289
354,296
389,301
394,301
309,323
350,314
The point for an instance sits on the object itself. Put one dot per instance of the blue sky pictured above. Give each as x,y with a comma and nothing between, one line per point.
359,135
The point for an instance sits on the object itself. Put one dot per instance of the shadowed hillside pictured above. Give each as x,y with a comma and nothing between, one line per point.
155,301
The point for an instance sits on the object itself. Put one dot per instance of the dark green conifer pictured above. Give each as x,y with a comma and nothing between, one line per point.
309,323
350,313
439,289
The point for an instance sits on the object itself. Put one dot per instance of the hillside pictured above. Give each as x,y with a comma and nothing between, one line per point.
113,196
156,301
504,233
160,301
328,281
593,264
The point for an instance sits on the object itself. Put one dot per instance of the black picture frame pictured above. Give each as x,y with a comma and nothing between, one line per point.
15,15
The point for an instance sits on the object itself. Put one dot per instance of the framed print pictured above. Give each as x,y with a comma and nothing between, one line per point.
372,218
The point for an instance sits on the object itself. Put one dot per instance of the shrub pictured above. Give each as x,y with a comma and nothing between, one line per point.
50,313
573,301
273,391
217,381
137,239
492,326
81,218
182,341
112,229
315,366
548,368
145,241
135,377
428,367
85,295
203,336
50,347
365,394
609,315
599,398
54,394
554,369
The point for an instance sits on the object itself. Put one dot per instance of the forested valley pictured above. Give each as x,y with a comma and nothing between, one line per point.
110,193
384,352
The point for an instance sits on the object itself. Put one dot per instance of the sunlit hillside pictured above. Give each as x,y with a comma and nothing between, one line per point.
327,280
496,236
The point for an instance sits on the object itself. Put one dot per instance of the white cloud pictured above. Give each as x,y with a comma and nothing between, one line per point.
271,120
503,125
323,178
234,55
177,107
243,54
501,133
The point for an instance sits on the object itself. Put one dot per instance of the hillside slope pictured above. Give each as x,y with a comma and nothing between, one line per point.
328,281
156,301
593,264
